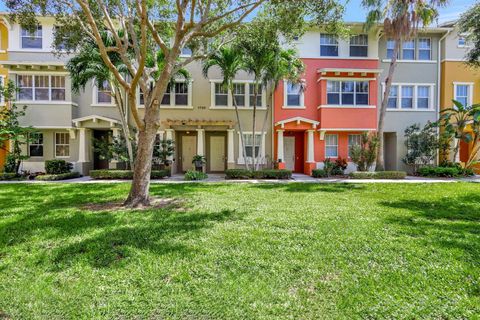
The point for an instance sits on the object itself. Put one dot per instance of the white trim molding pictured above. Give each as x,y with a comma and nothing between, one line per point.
282,123
431,97
94,119
285,97
230,106
327,106
470,90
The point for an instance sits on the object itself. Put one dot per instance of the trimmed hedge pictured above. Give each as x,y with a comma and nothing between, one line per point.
57,166
125,174
193,175
319,173
378,175
445,172
262,174
56,177
9,176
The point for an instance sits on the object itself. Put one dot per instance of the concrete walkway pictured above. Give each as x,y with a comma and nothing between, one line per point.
301,178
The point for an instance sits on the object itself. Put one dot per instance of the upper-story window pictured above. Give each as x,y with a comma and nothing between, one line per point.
393,97
462,42
408,50
177,94
390,48
40,88
347,92
407,97
31,40
104,93
181,94
462,93
328,45
243,95
293,95
166,97
221,95
359,46
239,94
424,49
410,97
252,95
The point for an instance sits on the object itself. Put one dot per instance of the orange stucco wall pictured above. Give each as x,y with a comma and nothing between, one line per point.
3,72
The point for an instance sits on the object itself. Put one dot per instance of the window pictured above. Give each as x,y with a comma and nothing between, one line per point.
349,93
181,94
393,97
293,94
166,97
359,46
354,140
424,49
462,94
239,94
248,140
423,97
252,96
221,94
42,88
58,88
390,48
331,145
62,144
31,40
104,93
25,87
462,42
407,97
408,50
328,45
35,146
141,98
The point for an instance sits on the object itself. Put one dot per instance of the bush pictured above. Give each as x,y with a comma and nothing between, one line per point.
261,174
56,177
445,172
192,175
57,166
319,173
378,175
125,174
9,176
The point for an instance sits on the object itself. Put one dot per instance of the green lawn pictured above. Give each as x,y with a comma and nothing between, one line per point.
242,251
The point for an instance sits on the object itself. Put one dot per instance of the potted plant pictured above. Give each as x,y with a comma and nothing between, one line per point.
198,162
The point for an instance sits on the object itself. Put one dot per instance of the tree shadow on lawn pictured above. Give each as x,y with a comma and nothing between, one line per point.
447,222
311,187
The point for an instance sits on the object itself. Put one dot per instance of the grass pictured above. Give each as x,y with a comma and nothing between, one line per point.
242,251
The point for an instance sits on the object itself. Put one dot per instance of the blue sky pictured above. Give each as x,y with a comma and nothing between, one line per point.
355,12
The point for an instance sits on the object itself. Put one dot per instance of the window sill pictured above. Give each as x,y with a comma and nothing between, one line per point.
103,105
58,157
327,106
177,107
45,102
250,161
411,110
411,61
294,107
233,108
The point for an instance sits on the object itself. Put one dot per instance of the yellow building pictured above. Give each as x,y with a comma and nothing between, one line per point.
458,80
3,73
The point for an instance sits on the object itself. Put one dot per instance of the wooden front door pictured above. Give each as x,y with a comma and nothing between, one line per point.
289,152
216,156
189,149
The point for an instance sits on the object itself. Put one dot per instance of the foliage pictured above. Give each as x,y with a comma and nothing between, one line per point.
163,149
57,166
469,26
463,124
59,176
199,158
378,175
364,155
260,174
451,171
124,174
422,145
9,176
319,173
113,148
192,175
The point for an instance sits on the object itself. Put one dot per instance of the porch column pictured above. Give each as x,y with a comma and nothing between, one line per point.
280,145
169,136
310,147
82,145
116,134
161,134
200,144
230,147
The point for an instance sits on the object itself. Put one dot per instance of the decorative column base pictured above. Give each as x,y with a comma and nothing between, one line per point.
308,168
231,165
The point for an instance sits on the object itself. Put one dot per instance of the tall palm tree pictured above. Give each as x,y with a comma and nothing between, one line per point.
230,62
401,20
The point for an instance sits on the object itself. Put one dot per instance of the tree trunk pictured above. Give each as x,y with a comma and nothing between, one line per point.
264,125
244,150
122,109
255,92
380,164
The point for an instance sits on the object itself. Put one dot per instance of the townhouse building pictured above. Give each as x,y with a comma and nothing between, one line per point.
198,114
4,25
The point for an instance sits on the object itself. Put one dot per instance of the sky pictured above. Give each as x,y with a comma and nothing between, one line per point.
354,11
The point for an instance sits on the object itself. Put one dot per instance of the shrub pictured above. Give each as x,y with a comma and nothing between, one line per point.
57,166
445,172
275,174
56,177
238,174
378,175
319,173
9,176
125,174
261,174
192,175
364,155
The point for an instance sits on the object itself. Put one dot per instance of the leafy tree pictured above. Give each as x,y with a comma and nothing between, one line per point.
114,148
400,20
165,25
422,145
164,149
364,155
469,25
11,131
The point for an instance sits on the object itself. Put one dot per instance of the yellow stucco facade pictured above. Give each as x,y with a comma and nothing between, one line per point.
4,75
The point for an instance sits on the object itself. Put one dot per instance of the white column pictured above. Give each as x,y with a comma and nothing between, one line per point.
280,145
169,136
82,145
230,146
160,134
310,147
200,144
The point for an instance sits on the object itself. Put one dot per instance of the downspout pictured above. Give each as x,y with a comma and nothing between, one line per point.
439,80
272,146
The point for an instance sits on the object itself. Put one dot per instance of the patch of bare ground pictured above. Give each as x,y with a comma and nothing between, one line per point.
155,203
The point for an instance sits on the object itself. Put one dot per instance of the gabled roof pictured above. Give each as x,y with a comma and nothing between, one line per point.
282,123
95,118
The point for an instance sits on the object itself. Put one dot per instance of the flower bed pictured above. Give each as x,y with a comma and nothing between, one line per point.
378,175
56,177
280,174
124,174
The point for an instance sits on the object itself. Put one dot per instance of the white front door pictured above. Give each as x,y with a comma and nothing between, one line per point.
289,152
189,149
217,153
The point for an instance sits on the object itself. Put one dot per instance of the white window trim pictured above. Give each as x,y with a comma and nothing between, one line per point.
95,102
360,106
172,105
329,45
230,105
330,145
36,144
285,97
55,145
262,158
470,90
31,49
418,48
431,102
348,141
49,101
357,45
